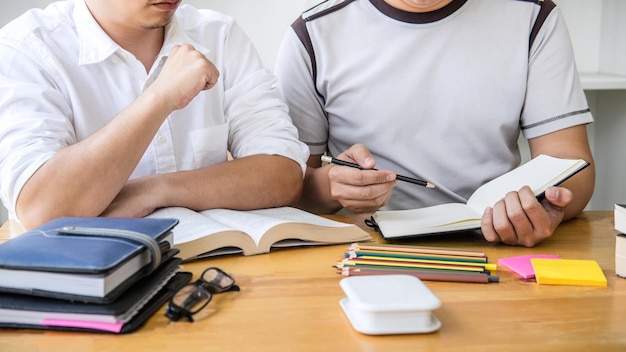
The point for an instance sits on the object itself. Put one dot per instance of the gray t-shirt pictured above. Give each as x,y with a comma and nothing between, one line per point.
441,96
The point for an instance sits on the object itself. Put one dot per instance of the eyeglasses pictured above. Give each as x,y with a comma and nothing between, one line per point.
192,298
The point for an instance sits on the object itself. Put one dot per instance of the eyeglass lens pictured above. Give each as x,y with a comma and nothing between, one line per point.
216,280
192,298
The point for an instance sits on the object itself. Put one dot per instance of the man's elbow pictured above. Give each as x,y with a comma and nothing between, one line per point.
294,187
31,216
38,212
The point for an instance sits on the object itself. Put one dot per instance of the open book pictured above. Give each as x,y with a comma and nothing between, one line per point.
222,231
538,173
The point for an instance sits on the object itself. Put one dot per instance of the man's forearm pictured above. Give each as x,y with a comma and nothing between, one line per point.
82,179
582,186
316,195
254,182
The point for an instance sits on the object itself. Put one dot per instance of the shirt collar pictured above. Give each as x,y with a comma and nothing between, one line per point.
96,46
175,35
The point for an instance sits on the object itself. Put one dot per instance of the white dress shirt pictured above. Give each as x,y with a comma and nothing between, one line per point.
62,79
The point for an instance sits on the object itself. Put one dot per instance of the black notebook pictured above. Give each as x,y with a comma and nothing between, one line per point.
126,314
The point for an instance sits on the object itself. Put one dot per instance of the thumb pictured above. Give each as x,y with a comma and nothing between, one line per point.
558,196
361,155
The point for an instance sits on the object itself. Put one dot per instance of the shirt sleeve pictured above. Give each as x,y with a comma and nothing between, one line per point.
258,116
554,99
294,70
35,120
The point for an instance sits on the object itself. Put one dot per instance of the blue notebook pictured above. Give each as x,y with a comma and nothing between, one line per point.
57,260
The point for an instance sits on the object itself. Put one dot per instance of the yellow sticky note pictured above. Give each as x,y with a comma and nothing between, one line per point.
568,272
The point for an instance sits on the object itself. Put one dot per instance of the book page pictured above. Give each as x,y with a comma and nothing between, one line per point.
192,225
538,173
288,214
437,218
257,222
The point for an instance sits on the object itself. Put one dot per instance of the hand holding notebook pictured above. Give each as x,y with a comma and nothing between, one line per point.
539,173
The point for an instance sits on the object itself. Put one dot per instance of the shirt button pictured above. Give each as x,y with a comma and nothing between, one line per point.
161,139
115,59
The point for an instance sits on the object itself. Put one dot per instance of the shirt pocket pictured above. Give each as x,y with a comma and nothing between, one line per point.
210,145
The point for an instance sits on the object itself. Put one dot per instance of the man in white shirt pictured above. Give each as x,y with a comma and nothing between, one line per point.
437,90
120,107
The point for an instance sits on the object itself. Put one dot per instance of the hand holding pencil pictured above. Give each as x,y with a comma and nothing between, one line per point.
416,181
356,185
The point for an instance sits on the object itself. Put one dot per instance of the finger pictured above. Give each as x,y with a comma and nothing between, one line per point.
365,206
355,177
359,154
211,81
559,196
362,198
524,213
501,224
486,225
212,75
361,192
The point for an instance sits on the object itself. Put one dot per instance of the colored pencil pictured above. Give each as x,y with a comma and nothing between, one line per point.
417,249
426,256
426,275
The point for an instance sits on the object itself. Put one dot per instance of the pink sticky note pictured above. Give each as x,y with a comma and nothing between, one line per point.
112,327
521,265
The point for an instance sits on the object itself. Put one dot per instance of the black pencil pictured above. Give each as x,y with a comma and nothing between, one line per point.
332,160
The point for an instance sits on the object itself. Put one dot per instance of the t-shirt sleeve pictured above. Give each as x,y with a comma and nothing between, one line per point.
554,99
295,71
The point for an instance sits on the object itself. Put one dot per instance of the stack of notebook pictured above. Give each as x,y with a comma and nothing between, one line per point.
88,274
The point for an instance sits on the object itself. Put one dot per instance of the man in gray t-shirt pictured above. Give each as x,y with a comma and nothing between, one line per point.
440,91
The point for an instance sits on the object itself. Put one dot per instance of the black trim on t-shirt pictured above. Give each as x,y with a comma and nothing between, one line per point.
329,10
418,17
555,118
546,7
299,27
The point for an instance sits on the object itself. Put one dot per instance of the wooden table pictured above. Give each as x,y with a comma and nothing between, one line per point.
289,301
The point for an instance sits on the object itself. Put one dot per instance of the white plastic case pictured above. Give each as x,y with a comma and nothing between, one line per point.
389,304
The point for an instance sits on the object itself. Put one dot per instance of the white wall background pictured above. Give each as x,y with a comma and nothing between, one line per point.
264,21
597,28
